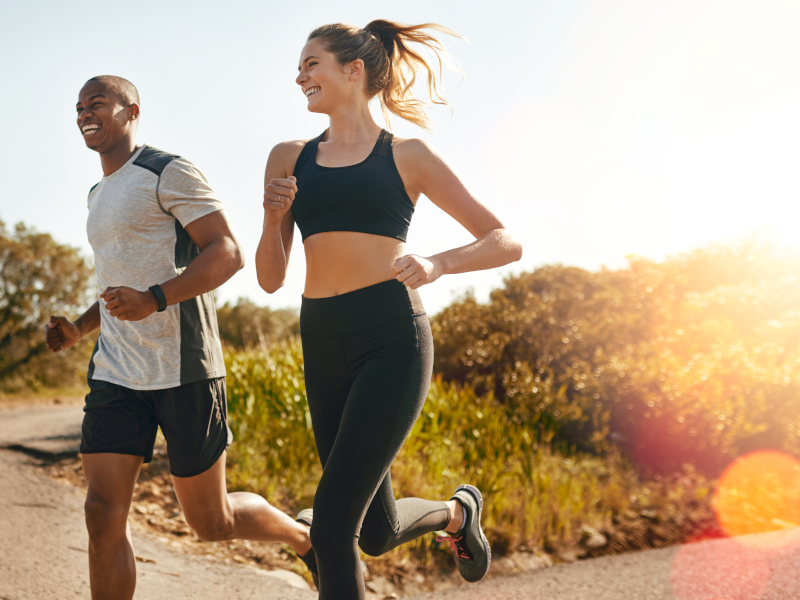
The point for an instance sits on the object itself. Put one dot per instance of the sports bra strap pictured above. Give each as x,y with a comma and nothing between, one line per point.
383,147
309,152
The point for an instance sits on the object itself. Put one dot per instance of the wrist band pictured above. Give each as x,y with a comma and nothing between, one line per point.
160,297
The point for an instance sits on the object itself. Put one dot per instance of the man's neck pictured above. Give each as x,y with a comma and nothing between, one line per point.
118,155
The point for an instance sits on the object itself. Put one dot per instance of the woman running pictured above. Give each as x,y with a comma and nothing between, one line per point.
366,339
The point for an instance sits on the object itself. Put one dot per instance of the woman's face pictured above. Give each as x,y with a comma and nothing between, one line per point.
325,82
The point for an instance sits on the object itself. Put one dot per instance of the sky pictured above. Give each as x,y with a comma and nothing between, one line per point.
595,129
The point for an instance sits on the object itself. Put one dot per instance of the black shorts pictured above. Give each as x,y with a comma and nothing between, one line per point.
193,418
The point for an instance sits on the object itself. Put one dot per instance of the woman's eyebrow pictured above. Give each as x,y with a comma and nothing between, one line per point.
306,59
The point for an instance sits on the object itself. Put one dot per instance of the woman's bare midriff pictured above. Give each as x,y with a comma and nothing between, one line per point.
338,262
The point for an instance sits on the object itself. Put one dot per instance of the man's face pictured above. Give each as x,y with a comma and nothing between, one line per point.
102,117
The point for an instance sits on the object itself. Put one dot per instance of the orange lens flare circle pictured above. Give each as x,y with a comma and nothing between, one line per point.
760,493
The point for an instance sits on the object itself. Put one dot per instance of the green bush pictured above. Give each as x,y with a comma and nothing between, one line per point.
246,326
533,496
274,451
695,359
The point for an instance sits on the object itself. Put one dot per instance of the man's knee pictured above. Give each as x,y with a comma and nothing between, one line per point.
211,528
104,520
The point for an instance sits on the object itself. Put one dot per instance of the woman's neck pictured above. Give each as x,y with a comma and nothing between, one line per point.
352,125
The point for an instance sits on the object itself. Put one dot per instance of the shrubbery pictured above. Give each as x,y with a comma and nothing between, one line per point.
533,496
695,359
245,326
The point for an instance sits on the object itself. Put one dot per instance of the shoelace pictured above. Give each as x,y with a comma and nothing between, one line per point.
456,546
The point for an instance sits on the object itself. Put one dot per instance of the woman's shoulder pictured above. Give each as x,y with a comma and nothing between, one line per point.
284,155
291,149
414,152
412,148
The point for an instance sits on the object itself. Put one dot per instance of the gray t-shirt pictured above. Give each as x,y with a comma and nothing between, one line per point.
136,226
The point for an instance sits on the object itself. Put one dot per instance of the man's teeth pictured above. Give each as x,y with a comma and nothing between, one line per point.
310,91
88,130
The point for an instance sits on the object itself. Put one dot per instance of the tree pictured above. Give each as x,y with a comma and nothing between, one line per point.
245,325
695,359
39,278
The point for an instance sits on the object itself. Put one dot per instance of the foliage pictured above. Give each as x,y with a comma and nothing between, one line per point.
274,450
533,496
245,325
39,278
695,359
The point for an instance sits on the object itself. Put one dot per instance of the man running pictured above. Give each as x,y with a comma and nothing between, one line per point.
162,242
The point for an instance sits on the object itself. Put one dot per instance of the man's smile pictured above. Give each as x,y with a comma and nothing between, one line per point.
89,129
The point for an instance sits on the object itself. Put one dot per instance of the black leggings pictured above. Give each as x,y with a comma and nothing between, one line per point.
368,361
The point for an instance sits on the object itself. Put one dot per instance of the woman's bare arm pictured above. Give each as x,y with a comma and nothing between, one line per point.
275,246
424,171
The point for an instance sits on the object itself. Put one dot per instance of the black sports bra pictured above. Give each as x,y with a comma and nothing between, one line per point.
368,197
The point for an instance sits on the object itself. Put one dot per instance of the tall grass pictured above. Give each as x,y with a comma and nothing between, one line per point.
274,451
533,497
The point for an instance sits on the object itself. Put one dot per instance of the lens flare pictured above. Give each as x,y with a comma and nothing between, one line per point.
719,570
757,493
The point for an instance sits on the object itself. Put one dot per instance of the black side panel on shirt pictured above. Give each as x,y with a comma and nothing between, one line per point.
198,355
185,248
154,160
90,372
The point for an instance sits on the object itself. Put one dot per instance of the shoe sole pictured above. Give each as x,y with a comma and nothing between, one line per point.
476,493
305,516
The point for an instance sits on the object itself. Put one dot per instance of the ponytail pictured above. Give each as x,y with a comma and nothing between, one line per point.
391,65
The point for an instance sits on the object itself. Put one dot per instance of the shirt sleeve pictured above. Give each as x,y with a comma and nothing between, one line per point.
184,192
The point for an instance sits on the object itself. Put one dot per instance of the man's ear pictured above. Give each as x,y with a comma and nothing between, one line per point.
133,111
356,69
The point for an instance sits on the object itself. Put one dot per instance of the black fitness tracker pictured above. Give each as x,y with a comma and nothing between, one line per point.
160,297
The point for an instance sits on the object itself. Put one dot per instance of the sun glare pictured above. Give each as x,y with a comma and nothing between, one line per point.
758,493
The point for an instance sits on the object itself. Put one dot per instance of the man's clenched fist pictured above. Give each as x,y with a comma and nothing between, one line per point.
61,333
128,304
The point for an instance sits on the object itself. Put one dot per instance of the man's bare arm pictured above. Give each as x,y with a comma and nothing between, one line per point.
220,257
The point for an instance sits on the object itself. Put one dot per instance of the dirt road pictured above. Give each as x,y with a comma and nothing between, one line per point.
726,569
43,540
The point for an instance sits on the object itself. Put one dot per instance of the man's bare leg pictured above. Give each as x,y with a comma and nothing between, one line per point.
215,514
112,566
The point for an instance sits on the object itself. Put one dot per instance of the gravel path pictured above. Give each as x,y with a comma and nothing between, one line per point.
43,539
730,569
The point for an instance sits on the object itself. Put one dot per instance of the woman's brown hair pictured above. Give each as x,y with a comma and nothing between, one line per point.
390,64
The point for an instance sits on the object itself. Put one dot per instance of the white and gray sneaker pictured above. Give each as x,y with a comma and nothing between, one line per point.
469,545
310,559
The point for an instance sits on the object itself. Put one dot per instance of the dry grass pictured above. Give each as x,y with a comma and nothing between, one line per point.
536,500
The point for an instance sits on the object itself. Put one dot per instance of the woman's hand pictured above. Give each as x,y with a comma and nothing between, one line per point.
415,271
278,198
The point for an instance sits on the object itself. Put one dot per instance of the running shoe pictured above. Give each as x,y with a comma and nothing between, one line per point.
310,559
472,552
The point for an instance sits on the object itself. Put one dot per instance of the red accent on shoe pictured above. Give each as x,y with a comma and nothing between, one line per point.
455,546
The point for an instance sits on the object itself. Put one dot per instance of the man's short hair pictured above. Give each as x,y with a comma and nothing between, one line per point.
124,89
